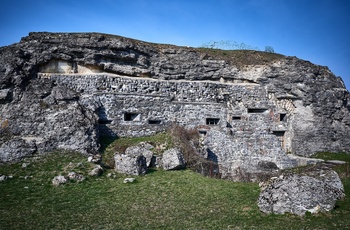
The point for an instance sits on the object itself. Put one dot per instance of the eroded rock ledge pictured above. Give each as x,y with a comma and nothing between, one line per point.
63,90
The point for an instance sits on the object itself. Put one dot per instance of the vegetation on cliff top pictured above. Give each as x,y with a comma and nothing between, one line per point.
242,58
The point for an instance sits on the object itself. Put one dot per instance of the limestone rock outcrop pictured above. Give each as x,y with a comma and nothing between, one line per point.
317,191
96,171
132,162
64,90
58,180
173,159
75,176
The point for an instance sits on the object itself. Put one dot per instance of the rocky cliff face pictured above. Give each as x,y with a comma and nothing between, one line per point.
63,90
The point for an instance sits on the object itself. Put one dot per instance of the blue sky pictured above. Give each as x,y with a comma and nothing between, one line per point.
314,30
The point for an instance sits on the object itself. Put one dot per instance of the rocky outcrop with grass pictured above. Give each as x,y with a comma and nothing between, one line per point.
315,190
65,90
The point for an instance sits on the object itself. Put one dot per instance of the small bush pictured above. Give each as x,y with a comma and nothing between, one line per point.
188,141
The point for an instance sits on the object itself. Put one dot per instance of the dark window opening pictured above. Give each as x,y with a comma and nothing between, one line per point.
283,117
104,122
131,117
279,133
154,122
212,121
236,118
202,132
257,110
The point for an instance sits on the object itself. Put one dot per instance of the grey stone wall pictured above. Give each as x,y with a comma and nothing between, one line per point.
240,122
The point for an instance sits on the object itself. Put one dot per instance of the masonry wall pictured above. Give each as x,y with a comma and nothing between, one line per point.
240,122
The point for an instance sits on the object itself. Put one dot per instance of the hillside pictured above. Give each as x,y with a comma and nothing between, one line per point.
66,90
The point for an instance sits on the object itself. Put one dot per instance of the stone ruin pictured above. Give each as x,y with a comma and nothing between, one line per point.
66,90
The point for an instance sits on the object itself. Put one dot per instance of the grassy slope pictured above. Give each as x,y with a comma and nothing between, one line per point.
159,200
242,58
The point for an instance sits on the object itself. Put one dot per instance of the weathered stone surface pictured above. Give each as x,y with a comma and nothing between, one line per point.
58,180
316,191
16,149
61,90
173,159
3,178
96,171
75,176
128,180
131,163
95,158
4,94
145,149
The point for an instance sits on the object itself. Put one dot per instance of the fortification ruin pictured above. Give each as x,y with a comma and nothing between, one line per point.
252,109
239,121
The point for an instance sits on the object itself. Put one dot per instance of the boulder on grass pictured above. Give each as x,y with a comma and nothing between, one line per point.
75,176
3,178
129,180
315,191
58,180
96,171
143,149
130,163
95,158
173,159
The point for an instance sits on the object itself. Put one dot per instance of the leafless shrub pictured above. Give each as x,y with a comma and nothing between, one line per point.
188,141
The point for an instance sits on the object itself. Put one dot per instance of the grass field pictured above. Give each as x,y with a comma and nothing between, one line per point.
160,200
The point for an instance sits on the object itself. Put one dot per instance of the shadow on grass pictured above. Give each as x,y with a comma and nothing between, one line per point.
151,170
105,141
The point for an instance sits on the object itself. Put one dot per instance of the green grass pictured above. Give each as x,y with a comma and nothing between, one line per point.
332,156
342,170
159,200
241,58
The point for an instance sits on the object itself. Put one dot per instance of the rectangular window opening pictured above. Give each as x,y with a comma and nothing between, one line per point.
256,110
104,122
202,132
212,121
236,118
132,117
278,133
154,122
